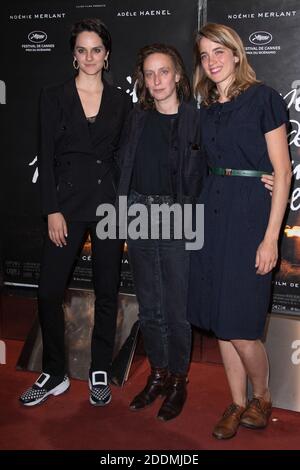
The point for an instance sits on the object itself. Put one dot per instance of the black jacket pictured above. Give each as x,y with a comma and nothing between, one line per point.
77,168
186,161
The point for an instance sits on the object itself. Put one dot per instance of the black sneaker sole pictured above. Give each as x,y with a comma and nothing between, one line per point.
99,403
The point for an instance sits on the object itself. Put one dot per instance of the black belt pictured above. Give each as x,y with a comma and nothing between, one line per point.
152,198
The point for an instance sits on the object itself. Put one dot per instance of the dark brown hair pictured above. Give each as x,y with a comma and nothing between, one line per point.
93,25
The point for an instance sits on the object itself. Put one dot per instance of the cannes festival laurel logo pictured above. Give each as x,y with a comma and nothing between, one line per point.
37,37
260,38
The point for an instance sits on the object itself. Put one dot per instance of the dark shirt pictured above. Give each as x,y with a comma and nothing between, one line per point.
151,173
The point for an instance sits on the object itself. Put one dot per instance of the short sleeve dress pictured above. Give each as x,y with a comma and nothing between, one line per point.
225,293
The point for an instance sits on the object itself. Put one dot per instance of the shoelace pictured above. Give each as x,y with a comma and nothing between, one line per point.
256,403
231,409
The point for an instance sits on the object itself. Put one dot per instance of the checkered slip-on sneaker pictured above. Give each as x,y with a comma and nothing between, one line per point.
100,393
43,387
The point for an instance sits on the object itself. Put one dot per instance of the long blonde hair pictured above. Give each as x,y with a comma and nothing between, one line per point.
244,74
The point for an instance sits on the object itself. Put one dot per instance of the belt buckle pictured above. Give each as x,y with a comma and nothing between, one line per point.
228,171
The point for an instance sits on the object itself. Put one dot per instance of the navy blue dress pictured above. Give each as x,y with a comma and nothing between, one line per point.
225,293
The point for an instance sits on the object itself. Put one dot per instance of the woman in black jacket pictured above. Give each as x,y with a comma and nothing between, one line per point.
162,164
81,121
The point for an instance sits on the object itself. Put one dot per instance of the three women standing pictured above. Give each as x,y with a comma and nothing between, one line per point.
241,129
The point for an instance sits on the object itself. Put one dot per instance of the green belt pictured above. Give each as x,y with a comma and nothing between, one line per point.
231,172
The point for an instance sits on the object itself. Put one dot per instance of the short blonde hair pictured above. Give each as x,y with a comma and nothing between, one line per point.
244,74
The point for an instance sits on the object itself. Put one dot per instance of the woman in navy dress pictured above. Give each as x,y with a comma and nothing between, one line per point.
243,126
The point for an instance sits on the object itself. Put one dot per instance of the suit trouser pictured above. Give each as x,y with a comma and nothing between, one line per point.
56,267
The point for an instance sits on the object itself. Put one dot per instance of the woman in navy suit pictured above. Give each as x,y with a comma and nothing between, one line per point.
80,125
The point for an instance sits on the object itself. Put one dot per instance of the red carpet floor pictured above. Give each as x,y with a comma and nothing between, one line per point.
70,422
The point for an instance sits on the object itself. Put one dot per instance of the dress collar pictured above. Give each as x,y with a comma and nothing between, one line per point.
235,103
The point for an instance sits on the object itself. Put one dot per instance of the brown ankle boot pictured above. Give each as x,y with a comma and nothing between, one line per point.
228,425
176,394
155,387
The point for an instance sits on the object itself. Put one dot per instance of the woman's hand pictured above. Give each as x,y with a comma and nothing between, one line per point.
269,182
57,229
266,256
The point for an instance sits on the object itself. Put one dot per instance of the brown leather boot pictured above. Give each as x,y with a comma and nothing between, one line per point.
229,423
257,413
155,387
176,394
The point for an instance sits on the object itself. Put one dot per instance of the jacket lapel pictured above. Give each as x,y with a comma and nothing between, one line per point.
74,113
136,129
106,120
